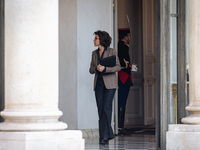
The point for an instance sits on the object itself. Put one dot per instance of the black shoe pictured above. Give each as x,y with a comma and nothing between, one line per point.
104,141
122,132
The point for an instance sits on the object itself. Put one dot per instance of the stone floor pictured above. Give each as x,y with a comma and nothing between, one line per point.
133,142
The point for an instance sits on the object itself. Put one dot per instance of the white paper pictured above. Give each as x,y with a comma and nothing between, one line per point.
134,68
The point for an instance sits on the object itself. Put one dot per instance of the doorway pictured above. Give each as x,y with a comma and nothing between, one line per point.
140,17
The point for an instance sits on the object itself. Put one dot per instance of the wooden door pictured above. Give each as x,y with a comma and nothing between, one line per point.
149,59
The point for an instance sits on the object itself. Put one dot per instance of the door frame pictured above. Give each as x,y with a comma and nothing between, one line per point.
157,85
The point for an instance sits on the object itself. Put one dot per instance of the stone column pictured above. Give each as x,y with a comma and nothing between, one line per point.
194,88
31,66
31,79
186,136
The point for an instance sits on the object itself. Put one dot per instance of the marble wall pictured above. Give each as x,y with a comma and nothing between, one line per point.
78,20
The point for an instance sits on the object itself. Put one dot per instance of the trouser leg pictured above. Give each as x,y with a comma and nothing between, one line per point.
104,98
123,92
99,94
107,115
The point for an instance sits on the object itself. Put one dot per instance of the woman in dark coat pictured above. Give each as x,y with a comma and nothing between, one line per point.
105,83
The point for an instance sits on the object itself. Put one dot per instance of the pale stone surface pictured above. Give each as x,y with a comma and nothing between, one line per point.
50,140
19,126
194,96
31,54
31,80
184,128
183,137
31,66
89,133
186,136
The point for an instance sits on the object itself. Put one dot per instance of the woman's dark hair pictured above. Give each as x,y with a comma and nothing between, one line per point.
104,37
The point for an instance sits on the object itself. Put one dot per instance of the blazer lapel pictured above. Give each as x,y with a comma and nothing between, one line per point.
107,53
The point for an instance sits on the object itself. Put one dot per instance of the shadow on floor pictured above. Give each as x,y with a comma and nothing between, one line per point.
145,131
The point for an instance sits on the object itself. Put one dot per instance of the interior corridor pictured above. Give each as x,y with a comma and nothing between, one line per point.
138,141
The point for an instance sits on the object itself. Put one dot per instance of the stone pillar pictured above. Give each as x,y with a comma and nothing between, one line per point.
31,66
194,88
186,136
31,79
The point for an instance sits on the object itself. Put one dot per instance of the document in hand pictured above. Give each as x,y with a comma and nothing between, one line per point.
109,61
134,68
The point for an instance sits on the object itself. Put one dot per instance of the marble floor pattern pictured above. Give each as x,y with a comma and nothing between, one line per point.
132,142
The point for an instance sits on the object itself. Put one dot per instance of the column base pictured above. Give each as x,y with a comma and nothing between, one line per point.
47,140
183,137
15,126
89,133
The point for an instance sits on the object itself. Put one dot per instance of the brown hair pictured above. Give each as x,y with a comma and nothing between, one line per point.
104,37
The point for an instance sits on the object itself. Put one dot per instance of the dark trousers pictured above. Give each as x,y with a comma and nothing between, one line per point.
123,92
104,99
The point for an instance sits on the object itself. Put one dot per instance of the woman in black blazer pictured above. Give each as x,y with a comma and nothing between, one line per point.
105,83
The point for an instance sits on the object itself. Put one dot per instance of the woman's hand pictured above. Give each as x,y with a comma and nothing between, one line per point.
100,68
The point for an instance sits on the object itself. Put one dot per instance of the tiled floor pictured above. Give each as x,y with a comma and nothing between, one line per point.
133,142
